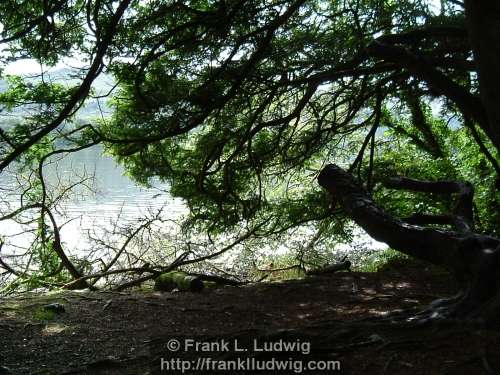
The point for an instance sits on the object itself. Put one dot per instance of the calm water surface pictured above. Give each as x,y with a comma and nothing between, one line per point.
113,195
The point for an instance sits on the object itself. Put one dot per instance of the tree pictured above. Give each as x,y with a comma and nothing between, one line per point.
239,103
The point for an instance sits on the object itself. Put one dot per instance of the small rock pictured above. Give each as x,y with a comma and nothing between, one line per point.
107,304
55,307
4,370
376,338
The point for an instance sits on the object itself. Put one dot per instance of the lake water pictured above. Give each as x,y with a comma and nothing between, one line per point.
114,196
111,195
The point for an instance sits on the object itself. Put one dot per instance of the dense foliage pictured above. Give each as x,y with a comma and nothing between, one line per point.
238,104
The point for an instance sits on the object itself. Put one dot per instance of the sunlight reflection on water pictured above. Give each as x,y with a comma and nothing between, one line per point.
115,195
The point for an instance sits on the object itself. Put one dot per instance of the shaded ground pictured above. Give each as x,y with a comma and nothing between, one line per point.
126,333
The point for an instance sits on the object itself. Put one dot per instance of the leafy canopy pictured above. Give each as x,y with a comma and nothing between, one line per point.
237,104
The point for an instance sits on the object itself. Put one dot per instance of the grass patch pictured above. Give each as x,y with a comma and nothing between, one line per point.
43,314
390,260
381,260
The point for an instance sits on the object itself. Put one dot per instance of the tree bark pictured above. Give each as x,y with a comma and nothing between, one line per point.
483,24
473,258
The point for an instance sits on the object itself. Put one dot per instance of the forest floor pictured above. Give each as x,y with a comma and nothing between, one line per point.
341,316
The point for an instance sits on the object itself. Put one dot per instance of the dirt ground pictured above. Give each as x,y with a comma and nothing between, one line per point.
342,317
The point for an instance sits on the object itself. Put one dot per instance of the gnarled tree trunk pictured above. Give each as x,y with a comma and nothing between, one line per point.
473,258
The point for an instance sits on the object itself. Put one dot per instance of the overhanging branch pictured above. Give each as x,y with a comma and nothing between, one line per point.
456,251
